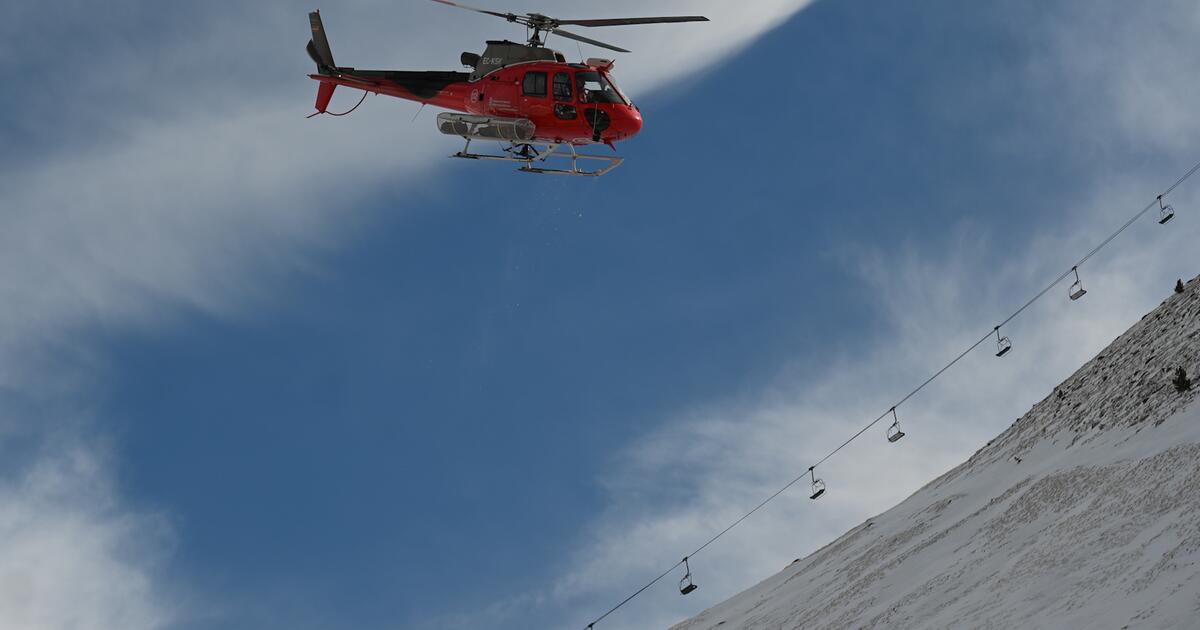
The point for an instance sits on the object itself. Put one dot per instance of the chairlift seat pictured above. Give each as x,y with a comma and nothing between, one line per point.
686,585
895,437
818,489
1077,291
1165,215
1003,347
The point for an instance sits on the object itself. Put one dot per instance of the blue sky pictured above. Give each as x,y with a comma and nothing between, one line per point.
313,374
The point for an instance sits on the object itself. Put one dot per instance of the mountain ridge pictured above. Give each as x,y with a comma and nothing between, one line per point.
1084,512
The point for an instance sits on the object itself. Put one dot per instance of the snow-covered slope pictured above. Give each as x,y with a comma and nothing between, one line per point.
1085,513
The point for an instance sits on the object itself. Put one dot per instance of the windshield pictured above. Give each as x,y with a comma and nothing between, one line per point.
595,88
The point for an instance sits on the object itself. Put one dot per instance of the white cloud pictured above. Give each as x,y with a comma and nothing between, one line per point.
1124,71
198,183
199,208
70,555
1118,81
223,184
690,478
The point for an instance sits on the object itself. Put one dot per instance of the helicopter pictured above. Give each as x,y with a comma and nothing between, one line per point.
526,96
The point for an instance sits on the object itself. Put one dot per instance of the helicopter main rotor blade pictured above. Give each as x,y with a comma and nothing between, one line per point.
507,16
637,20
581,38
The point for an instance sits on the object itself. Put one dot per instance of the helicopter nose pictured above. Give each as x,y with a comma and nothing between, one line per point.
631,122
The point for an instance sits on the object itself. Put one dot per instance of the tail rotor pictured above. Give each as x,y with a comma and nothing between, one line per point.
318,46
318,51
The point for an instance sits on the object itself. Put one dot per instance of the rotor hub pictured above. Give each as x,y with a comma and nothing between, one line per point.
540,24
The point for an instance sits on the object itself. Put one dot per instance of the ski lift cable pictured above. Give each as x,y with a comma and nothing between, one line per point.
636,593
905,399
1181,180
700,548
1039,295
1103,244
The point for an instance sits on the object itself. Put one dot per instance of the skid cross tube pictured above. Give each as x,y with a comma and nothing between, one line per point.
529,153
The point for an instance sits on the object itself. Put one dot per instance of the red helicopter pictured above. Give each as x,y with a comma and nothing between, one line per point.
524,95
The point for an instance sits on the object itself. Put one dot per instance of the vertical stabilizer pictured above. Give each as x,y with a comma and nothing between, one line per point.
318,46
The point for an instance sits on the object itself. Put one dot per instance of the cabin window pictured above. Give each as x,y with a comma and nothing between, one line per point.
562,86
534,84
565,112
596,88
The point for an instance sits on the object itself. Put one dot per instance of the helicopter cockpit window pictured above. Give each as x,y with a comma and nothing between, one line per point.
562,87
534,84
594,88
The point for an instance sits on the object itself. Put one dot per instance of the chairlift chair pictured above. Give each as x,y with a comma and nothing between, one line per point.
1003,345
894,433
1077,290
818,485
1165,211
685,583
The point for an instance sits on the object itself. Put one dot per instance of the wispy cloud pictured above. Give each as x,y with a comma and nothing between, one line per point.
687,480
71,555
177,172
704,467
198,206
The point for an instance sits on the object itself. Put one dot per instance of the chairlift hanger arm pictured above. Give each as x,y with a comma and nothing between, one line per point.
686,585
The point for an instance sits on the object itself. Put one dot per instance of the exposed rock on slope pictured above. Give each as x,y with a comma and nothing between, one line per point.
1096,525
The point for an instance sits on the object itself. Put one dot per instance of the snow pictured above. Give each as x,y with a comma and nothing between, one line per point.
1097,525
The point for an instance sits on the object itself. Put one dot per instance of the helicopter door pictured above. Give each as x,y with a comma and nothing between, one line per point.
595,95
534,96
564,108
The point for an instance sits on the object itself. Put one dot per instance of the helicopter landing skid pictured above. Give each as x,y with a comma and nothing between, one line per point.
530,155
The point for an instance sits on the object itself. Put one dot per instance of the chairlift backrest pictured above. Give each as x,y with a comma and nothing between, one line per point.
1165,211
1076,291
818,488
1003,345
686,585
